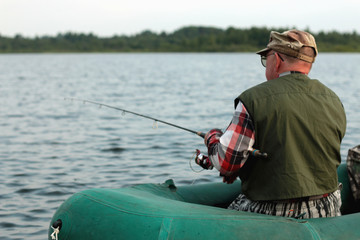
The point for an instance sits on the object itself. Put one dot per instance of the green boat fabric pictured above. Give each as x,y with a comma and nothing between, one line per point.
164,211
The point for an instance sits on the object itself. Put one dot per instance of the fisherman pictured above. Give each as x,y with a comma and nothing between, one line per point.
298,122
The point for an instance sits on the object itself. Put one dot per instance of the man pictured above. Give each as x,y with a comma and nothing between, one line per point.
298,122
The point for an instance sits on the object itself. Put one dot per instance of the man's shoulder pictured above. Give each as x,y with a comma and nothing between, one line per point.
288,83
261,89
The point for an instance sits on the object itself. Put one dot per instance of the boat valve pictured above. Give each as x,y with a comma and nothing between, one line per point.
56,226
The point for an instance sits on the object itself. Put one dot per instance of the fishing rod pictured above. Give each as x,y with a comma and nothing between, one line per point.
254,152
201,134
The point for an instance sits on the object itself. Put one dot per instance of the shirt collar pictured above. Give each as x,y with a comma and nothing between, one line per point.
290,72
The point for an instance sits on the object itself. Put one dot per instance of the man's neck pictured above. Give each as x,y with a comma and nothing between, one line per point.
300,67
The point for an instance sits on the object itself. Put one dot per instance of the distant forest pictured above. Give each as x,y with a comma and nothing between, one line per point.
186,39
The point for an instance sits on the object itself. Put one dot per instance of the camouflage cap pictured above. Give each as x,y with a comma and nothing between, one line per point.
289,43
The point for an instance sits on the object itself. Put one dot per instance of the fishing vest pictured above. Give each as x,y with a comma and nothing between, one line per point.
299,123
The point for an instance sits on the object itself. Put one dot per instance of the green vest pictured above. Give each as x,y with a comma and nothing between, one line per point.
299,123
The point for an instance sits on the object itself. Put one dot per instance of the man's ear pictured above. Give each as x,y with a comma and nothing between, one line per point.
279,61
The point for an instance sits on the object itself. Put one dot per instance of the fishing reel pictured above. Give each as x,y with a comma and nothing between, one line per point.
203,161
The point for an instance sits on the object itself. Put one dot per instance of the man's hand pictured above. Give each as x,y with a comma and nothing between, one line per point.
203,160
229,179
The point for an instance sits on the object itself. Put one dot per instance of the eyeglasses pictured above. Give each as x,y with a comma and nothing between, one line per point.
263,58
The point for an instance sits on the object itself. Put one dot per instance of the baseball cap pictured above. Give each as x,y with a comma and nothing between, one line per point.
289,43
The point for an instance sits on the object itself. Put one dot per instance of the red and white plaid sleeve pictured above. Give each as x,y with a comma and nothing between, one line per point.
229,151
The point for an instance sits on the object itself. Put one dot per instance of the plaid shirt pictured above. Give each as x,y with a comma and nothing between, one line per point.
229,151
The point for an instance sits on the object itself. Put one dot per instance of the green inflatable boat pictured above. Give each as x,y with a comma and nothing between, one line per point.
166,211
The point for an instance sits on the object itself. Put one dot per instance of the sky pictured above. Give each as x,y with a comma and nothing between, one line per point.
106,18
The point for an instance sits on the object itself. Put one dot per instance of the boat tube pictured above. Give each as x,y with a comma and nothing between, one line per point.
166,211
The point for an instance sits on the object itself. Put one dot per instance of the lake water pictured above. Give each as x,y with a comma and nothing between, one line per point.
51,148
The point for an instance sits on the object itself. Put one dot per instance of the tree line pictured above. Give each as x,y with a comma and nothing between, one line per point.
186,39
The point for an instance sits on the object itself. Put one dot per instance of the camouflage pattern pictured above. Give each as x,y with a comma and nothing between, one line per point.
353,166
290,43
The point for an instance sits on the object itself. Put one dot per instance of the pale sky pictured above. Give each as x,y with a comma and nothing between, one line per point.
109,17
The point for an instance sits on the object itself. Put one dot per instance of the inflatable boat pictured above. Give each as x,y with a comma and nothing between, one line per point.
167,211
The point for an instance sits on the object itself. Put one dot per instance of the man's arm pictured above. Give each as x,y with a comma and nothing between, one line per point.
229,151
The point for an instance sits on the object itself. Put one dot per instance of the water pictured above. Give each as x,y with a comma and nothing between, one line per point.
51,148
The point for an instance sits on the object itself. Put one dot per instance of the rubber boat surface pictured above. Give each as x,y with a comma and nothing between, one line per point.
165,211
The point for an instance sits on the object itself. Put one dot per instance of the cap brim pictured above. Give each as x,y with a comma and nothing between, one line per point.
263,52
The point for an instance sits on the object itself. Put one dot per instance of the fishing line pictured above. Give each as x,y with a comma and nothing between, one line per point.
192,159
192,169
